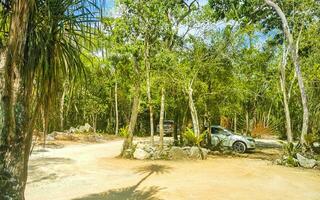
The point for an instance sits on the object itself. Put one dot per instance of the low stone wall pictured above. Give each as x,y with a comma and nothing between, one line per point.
144,151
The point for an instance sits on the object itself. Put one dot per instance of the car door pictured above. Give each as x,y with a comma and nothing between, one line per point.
219,135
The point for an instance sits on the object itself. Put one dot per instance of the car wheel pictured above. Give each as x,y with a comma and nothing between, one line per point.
239,147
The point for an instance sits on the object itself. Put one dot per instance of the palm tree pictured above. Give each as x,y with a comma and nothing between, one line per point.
43,47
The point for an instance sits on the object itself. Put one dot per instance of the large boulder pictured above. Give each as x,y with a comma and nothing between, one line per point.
140,154
306,162
195,153
177,153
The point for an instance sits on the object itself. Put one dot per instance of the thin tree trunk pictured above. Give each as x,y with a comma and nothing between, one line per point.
147,65
194,114
235,123
268,117
183,126
176,127
43,120
62,106
247,123
295,58
116,107
46,125
14,139
284,94
94,122
161,118
207,124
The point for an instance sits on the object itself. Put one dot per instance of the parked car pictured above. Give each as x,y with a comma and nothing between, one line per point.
227,138
168,127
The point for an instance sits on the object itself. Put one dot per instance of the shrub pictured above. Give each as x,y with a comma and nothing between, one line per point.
291,149
191,139
310,140
289,157
123,132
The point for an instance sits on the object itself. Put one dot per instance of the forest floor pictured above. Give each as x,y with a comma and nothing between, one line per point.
78,171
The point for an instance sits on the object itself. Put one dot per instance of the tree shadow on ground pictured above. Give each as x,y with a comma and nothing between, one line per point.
264,154
132,193
39,169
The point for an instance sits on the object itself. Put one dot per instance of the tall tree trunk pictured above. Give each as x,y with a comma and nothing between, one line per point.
176,127
46,111
62,106
133,120
235,123
116,107
161,118
194,114
183,125
15,137
295,59
147,65
44,126
268,116
134,111
247,122
284,94
94,122
207,124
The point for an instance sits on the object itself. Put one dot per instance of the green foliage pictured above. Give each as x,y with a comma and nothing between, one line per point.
123,132
231,60
311,138
289,157
192,139
291,149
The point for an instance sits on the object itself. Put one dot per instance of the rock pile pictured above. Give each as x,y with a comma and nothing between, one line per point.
69,134
298,160
80,129
145,151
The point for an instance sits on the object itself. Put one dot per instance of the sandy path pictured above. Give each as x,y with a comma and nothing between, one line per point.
90,172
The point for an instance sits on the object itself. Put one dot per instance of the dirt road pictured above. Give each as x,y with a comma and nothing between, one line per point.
90,172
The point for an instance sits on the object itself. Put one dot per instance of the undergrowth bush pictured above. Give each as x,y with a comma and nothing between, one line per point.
123,132
191,139
289,156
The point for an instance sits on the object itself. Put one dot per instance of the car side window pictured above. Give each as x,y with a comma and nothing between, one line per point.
215,130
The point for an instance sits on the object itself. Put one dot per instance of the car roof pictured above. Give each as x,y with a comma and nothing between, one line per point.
217,126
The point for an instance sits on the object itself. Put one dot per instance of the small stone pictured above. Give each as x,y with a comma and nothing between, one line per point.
215,152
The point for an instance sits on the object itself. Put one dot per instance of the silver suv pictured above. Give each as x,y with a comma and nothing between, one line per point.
227,138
